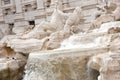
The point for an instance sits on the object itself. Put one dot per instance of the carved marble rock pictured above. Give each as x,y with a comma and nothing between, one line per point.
22,30
59,65
27,46
107,64
47,35
63,31
72,22
44,29
100,60
108,13
98,38
5,31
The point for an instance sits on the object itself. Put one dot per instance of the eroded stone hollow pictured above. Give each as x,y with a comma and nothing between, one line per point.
11,64
92,74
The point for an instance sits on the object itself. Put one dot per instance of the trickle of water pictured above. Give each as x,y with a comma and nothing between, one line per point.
92,74
99,77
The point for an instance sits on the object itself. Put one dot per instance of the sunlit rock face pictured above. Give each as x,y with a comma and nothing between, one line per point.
107,64
101,37
5,31
46,35
78,58
60,49
22,30
60,64
26,46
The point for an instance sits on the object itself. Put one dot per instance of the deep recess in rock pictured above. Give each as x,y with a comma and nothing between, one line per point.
92,74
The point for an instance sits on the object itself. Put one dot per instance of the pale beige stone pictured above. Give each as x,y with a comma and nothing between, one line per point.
100,20
26,46
72,22
44,29
70,52
22,30
68,64
108,12
107,64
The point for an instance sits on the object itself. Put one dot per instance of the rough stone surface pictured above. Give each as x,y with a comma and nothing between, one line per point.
64,46
60,64
11,68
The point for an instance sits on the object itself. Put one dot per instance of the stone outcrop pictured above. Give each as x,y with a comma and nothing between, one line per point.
59,49
109,9
46,35
60,64
22,30
51,63
107,64
5,31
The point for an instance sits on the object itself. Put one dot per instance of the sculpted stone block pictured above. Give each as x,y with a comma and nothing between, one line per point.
109,12
100,20
60,49
107,65
44,29
59,65
22,30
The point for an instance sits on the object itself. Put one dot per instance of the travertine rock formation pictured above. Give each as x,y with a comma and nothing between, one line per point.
109,12
107,64
22,30
44,29
5,31
61,50
53,62
47,35
60,65
72,22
